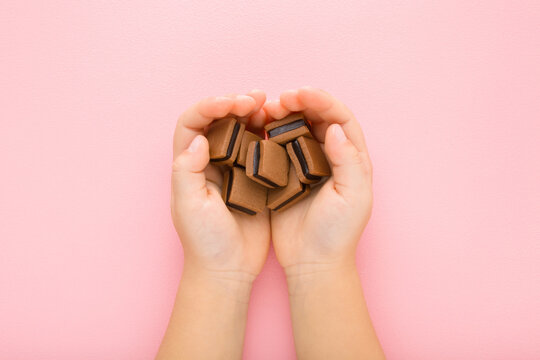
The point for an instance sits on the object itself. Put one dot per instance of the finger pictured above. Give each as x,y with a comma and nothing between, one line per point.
274,110
243,105
257,120
331,111
193,121
351,170
253,118
318,130
260,97
289,100
188,173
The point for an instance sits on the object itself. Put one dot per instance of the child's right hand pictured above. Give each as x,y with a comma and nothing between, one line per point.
321,232
315,239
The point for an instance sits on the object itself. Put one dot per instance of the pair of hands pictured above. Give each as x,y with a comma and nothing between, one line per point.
318,233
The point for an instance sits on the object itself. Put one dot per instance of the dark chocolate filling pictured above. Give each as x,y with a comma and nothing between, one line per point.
304,186
234,206
256,157
302,160
230,148
286,128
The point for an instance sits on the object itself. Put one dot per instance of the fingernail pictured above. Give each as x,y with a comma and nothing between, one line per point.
339,134
194,146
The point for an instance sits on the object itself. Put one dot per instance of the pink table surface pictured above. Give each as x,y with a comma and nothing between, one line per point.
448,93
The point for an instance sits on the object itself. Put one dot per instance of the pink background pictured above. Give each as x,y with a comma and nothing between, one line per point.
448,94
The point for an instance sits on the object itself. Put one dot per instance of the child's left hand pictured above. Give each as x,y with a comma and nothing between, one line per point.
225,244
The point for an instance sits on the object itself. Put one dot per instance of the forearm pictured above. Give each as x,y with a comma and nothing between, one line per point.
329,314
209,316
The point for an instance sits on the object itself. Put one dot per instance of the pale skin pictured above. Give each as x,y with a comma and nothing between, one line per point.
314,240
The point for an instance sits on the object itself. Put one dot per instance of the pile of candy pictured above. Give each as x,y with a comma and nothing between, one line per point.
274,173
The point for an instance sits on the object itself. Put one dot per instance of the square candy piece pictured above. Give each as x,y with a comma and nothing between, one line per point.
283,198
267,163
242,194
224,137
287,129
308,159
242,153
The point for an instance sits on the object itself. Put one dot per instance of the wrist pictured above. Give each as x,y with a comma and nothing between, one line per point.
229,284
302,278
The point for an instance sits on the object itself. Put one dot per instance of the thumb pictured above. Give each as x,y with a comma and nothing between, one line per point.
350,167
188,178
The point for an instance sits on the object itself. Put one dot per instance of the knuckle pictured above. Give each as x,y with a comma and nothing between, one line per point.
179,163
364,160
354,157
368,167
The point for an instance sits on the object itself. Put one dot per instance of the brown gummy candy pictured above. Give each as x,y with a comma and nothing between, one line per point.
283,198
224,137
242,194
244,144
288,128
267,163
308,159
